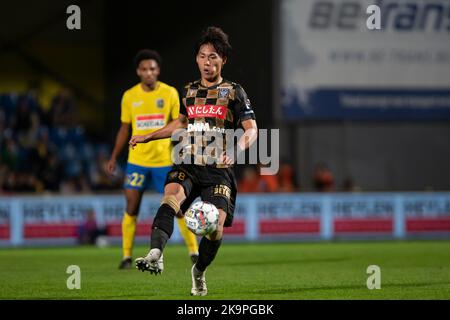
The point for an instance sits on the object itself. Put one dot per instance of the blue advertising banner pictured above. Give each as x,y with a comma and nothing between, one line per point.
332,66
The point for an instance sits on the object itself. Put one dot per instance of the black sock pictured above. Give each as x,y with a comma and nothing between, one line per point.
207,251
158,239
162,227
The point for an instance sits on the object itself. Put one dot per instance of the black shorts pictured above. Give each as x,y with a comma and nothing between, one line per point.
215,185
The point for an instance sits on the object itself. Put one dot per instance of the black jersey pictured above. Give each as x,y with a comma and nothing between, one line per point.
212,110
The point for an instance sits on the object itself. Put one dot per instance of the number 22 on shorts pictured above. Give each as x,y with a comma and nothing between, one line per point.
135,179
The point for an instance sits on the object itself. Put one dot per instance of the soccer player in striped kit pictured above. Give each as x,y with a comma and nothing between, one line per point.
211,105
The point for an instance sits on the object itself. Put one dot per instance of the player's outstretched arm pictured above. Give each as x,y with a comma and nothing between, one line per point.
121,141
250,134
164,132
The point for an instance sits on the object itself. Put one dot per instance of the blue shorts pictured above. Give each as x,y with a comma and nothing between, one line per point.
142,178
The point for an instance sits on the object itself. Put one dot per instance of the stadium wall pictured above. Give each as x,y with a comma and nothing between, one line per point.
54,220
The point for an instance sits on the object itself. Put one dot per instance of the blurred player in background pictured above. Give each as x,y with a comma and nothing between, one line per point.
211,104
146,107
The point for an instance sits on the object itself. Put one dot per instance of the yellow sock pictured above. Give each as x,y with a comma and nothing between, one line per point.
128,231
188,236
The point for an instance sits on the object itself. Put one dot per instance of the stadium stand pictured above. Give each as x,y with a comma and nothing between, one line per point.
49,151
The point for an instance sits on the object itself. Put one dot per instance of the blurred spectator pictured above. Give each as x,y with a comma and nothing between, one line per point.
22,119
286,177
350,186
323,178
4,170
62,110
53,174
10,182
267,183
88,231
10,153
99,177
249,181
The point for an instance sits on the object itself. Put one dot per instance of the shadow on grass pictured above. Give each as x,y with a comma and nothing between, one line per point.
352,287
128,296
284,261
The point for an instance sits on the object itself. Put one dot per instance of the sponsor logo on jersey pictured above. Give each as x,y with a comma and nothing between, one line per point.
137,103
223,92
160,103
149,121
222,190
203,126
207,110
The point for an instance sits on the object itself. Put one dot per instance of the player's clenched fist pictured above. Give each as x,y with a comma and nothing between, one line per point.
138,139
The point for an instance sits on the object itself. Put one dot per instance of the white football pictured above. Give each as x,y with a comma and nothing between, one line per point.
202,218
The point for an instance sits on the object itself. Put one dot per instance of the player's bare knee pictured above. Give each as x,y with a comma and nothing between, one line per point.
133,202
132,210
175,189
133,207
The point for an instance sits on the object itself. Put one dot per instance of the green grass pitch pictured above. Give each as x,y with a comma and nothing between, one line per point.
409,270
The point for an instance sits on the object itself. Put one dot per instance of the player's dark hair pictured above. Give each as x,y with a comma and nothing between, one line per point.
146,54
217,38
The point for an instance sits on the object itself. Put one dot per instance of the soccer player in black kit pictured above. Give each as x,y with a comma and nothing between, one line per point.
209,104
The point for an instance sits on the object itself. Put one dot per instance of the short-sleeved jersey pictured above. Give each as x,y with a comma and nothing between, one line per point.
148,112
214,109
